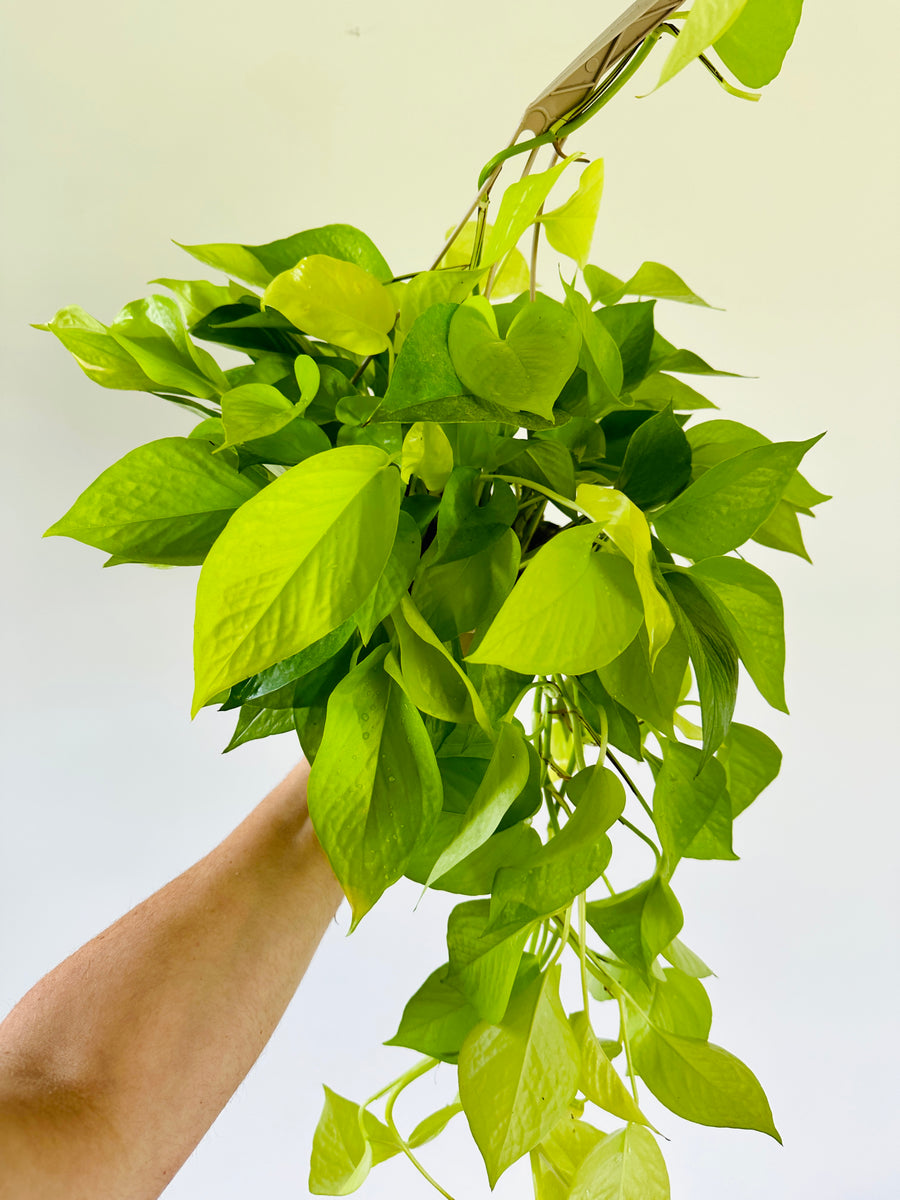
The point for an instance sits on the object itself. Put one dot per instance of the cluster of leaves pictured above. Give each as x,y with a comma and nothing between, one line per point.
418,505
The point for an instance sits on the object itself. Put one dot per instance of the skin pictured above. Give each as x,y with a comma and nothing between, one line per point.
114,1065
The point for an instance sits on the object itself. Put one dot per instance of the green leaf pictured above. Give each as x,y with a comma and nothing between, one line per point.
691,806
650,693
567,865
290,670
598,1078
96,351
651,279
325,530
474,875
436,1019
374,749
599,356
665,357
255,722
657,462
516,1078
152,331
626,527
430,288
658,391
454,597
560,1154
506,776
258,264
754,47
432,678
336,301
527,369
631,328
165,502
782,531
680,1005
750,607
570,228
714,441
342,1154
548,463
424,372
468,522
519,207
395,578
574,609
626,1165
623,729
638,923
728,503
483,965
428,454
701,1082
751,761
707,21
713,655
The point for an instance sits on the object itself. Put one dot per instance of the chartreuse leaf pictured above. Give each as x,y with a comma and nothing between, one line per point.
751,761
506,776
374,750
651,279
291,669
519,207
700,1081
570,228
729,502
456,596
336,301
432,678
198,297
429,288
152,331
258,410
559,1155
638,923
96,351
483,965
395,578
258,264
548,463
510,845
434,1124
754,47
691,806
682,957
566,866
324,530
468,522
516,1079
598,1078
707,21
308,375
599,356
342,1151
680,1005
714,441
651,693
436,1019
657,463
714,657
750,607
526,369
511,279
574,609
782,531
626,1165
626,527
428,454
165,502
424,372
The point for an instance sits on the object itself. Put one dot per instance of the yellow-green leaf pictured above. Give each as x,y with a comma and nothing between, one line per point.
570,228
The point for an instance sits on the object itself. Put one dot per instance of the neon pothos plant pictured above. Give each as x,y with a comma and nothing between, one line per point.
477,553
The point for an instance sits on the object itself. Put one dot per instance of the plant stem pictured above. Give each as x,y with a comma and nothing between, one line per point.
582,953
403,1082
626,1042
640,833
626,777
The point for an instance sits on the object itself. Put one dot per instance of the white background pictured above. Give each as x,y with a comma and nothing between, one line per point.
130,124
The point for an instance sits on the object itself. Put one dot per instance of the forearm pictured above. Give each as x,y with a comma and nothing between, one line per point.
138,1040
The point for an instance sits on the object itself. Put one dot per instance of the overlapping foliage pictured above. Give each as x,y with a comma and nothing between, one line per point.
475,551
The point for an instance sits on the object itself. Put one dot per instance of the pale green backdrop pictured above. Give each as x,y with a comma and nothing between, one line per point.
126,125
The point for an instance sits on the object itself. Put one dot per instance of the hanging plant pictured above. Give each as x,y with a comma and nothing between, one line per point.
472,545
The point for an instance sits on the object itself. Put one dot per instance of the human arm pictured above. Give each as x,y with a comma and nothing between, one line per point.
114,1066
